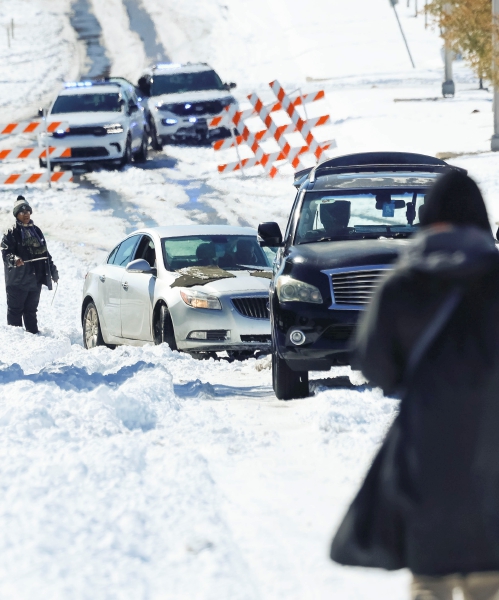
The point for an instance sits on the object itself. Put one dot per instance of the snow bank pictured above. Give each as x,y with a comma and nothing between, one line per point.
42,55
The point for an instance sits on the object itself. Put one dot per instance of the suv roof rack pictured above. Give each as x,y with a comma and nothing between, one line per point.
374,161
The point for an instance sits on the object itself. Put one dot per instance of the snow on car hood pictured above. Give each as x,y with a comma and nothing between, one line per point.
189,97
88,118
216,280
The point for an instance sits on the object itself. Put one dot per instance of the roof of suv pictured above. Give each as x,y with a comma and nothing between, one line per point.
369,162
91,88
170,68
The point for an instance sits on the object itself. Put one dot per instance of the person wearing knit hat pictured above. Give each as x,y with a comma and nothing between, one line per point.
28,265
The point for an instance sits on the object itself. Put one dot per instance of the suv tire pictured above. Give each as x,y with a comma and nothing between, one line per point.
155,141
287,384
141,155
127,156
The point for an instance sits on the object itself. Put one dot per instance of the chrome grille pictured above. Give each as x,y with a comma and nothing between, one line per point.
355,287
254,307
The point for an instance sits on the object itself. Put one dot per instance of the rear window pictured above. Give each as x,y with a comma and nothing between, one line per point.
87,103
230,252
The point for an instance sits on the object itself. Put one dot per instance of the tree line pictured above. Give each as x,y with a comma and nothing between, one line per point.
467,27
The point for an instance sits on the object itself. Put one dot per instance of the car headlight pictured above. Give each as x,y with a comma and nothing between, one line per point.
114,128
226,101
196,299
292,290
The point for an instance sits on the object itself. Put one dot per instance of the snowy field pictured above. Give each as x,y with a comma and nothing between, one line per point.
140,473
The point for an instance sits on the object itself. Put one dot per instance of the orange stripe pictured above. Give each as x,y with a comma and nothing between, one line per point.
30,127
4,154
34,178
9,128
25,153
56,176
66,153
12,179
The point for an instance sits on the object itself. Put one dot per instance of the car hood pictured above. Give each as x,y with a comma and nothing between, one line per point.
189,97
331,255
88,118
241,283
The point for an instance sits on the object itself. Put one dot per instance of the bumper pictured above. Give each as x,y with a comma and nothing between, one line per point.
228,329
90,148
188,128
327,333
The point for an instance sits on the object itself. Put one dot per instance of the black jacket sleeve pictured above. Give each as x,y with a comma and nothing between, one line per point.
9,246
377,351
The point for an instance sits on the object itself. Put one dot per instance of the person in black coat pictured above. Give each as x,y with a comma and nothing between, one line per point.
23,279
430,500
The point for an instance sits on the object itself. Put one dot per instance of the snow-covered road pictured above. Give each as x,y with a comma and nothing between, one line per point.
141,473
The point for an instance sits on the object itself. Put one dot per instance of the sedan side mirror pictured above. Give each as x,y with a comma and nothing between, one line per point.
269,234
40,112
141,266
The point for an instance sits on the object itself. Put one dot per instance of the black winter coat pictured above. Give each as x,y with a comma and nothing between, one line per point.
29,276
450,439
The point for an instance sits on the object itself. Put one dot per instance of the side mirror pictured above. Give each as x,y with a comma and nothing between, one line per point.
232,85
141,266
132,108
269,235
144,86
40,112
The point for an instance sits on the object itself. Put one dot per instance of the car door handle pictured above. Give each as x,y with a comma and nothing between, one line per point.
102,277
125,285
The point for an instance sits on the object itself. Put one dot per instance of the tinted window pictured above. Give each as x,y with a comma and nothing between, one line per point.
125,251
177,83
112,256
87,103
341,215
231,252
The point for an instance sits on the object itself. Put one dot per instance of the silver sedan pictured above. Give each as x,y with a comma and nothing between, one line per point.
199,288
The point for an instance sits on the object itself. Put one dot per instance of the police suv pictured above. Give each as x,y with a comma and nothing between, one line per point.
182,98
106,124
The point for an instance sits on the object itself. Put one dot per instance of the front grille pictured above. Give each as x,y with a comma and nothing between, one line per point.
86,130
197,108
254,307
90,152
216,335
356,287
263,339
339,333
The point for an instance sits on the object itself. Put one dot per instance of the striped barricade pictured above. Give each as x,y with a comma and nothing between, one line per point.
20,153
27,178
37,126
271,131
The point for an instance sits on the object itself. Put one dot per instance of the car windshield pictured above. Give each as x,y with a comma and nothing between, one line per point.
87,103
230,252
176,83
341,215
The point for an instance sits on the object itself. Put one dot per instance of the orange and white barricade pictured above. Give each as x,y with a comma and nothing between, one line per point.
31,127
252,139
26,178
20,153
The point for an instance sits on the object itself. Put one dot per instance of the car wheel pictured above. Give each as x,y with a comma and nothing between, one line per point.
141,155
155,141
163,328
287,384
92,334
127,156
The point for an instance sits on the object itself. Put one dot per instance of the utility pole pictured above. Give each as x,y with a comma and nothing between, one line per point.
494,142
393,4
448,87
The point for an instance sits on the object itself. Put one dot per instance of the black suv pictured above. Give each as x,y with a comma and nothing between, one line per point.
351,217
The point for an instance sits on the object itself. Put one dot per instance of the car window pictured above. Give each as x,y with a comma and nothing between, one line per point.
112,256
340,215
146,250
232,252
87,103
176,83
125,251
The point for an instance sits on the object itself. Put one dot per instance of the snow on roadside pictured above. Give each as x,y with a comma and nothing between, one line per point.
124,47
42,55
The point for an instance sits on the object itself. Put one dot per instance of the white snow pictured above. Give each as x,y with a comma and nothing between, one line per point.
140,473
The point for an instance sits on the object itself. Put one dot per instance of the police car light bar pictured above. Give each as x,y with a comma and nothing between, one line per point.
167,65
74,84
